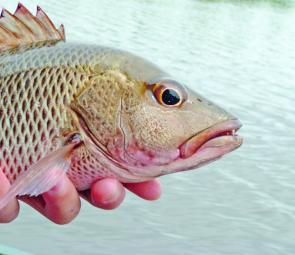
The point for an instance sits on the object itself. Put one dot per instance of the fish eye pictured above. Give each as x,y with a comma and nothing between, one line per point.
168,92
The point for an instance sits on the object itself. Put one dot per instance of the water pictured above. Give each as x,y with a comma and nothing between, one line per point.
240,54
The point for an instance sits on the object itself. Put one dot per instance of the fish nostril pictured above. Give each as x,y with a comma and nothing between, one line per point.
200,100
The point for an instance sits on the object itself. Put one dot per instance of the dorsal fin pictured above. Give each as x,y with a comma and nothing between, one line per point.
22,29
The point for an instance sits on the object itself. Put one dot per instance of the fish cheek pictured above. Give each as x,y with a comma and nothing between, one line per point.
158,130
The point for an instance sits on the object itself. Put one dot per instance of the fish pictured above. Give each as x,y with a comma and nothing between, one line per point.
91,112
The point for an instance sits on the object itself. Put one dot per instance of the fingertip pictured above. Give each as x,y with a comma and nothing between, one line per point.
107,194
149,190
62,202
11,210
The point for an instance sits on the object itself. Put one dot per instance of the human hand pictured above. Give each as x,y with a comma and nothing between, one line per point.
62,203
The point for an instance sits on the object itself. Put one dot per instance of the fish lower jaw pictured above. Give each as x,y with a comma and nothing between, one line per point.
210,151
217,147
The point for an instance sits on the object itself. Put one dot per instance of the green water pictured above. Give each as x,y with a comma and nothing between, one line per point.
240,54
5,250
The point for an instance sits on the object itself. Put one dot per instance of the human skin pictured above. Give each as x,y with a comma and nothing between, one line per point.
62,203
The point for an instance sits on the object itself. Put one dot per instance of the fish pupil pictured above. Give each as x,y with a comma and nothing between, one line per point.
170,97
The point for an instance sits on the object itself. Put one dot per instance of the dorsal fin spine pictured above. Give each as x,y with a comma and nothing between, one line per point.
61,31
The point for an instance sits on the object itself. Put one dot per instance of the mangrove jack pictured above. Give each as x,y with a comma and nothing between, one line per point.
94,112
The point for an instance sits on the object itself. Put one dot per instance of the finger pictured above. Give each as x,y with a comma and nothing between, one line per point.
61,204
106,194
149,190
11,210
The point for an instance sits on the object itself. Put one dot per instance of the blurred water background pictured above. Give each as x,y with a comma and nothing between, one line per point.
240,54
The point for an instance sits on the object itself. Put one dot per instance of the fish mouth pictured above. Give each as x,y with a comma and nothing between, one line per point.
214,142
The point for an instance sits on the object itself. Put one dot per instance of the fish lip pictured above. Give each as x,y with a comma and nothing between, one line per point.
198,141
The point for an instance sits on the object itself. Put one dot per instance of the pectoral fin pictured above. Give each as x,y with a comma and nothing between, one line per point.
41,176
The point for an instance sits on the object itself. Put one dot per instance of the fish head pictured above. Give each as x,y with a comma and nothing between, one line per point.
174,129
151,125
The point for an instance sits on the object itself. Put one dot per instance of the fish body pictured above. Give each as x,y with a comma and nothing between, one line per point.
95,112
38,87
